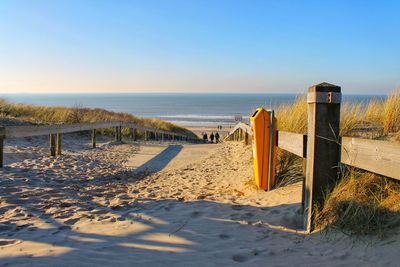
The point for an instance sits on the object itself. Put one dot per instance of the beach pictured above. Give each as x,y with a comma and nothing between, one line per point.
160,204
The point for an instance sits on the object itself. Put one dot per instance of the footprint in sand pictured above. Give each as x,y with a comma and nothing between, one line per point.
4,243
195,214
71,221
240,257
224,236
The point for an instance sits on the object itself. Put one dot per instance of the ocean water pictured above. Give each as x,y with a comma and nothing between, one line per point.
183,109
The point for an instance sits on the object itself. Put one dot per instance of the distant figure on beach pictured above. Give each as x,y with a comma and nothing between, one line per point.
205,137
212,138
216,137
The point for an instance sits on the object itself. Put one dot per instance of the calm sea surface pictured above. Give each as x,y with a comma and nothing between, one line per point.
184,109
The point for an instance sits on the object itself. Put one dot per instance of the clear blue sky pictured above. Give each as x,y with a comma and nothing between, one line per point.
195,46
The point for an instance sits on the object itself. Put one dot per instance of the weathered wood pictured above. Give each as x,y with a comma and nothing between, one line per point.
2,136
381,157
145,136
134,134
323,149
37,130
1,152
94,138
293,142
246,138
232,134
53,145
59,143
120,133
116,137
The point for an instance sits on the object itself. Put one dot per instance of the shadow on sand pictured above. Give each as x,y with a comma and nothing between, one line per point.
159,162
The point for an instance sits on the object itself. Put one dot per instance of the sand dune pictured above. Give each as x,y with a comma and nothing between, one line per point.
161,205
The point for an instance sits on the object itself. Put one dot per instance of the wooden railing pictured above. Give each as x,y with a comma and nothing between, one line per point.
55,132
326,150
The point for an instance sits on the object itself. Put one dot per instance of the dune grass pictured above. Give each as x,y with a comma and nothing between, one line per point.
362,203
56,115
382,117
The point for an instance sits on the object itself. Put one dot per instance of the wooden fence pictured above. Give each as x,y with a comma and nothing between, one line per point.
324,150
55,132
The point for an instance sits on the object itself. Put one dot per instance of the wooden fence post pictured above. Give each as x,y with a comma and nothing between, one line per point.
162,137
94,138
116,133
246,138
52,145
2,135
323,147
133,134
59,143
120,133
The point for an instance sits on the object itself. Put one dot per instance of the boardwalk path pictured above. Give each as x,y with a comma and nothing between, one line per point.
191,205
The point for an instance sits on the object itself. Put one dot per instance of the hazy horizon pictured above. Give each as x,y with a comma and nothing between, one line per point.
205,46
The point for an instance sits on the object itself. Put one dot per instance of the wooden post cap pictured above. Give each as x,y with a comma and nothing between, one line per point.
325,93
324,87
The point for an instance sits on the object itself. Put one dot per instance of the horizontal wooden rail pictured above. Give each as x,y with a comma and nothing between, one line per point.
36,130
293,142
381,157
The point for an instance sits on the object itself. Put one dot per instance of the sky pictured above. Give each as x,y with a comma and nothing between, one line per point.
235,46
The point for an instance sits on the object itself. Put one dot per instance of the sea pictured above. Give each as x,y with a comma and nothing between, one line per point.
185,109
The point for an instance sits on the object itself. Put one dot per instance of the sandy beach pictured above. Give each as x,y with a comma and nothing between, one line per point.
170,204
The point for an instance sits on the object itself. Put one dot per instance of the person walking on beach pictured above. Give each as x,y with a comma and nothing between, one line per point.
205,137
212,138
216,137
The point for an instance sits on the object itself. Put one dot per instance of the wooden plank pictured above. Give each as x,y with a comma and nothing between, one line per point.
381,157
36,130
323,150
1,151
2,136
59,143
293,142
94,138
53,145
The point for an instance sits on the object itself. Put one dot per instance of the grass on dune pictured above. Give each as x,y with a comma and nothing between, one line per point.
356,118
362,203
55,115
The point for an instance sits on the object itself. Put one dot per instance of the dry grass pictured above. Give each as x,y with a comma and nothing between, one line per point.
54,115
289,168
375,119
361,204
391,113
293,117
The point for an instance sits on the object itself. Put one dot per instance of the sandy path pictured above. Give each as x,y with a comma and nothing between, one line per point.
199,209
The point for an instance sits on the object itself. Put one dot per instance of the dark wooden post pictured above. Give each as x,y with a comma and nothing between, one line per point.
246,138
2,135
94,138
323,148
116,133
134,134
52,145
120,133
59,143
162,137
